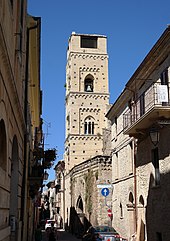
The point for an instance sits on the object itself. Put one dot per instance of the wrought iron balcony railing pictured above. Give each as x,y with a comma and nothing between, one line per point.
153,104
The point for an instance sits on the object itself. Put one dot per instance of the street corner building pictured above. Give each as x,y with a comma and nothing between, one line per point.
20,120
140,120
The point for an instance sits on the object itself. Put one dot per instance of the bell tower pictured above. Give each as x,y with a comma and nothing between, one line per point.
87,97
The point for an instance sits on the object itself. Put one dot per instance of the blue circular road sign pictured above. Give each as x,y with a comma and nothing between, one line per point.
105,191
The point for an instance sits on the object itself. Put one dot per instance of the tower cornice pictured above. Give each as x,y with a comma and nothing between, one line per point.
86,55
85,94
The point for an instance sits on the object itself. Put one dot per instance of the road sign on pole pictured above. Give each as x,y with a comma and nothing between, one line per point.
104,186
110,214
105,192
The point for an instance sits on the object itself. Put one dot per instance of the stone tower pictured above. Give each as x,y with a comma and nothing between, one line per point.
87,97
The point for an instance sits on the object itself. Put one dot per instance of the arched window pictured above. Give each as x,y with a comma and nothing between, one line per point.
121,211
141,200
3,146
89,126
88,83
79,205
131,199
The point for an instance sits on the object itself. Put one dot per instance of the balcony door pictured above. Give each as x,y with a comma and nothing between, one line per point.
142,104
165,81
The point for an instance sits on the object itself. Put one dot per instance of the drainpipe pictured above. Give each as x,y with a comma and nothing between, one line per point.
135,184
63,200
25,171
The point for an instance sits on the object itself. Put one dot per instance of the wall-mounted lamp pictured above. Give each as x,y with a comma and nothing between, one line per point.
154,135
45,176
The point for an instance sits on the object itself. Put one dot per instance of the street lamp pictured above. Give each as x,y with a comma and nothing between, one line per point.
154,135
45,176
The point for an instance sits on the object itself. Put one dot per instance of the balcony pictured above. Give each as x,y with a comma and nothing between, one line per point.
152,106
35,180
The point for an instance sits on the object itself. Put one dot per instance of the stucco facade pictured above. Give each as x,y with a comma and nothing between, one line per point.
18,124
123,172
12,123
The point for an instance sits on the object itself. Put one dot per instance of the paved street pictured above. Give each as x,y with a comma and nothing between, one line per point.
62,235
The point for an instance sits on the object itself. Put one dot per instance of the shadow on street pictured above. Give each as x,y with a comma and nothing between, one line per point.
62,235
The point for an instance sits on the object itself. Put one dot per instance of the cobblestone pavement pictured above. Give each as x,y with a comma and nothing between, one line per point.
62,235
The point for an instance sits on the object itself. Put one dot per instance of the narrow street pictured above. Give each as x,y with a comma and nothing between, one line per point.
62,235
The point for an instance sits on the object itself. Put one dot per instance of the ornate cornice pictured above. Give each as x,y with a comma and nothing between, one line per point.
87,109
88,95
84,137
87,69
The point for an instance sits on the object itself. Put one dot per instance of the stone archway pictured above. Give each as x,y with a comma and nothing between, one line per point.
80,217
13,211
141,220
131,214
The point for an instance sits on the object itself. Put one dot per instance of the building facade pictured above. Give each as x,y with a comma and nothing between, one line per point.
140,134
123,171
20,118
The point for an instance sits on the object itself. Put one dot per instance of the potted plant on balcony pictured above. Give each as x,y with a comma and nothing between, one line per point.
49,158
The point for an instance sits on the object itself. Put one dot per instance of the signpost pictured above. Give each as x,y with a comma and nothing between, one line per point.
105,192
104,186
110,214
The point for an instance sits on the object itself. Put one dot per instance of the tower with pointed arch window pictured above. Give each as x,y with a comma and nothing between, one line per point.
87,97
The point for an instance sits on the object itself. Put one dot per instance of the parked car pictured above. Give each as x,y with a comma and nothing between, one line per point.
102,233
49,222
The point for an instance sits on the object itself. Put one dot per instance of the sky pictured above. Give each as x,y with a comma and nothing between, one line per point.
132,28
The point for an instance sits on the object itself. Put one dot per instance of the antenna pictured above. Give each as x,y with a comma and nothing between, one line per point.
46,133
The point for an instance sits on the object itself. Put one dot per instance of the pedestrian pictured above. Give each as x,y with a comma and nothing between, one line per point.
61,222
52,235
38,233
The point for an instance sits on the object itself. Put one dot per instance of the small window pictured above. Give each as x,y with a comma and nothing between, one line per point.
88,42
121,211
